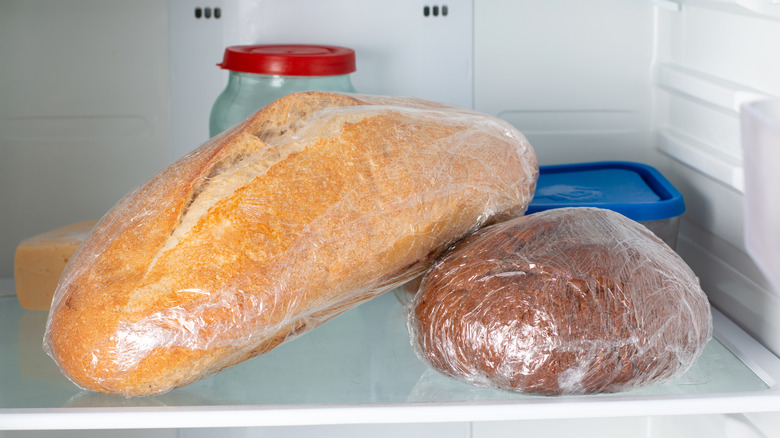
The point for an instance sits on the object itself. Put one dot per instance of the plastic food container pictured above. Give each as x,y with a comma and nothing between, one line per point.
760,155
260,74
635,190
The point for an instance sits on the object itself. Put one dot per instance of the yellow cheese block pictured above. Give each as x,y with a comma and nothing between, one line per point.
40,260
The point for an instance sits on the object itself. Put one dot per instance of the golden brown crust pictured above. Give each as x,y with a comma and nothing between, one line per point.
317,203
566,301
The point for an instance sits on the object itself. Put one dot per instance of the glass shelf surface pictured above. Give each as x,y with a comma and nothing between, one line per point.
360,359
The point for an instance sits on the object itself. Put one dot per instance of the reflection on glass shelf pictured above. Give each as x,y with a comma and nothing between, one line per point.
362,357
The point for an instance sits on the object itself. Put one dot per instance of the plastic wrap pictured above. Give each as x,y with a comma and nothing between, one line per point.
566,301
313,205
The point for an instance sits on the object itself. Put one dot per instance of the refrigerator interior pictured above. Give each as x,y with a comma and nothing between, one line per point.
97,96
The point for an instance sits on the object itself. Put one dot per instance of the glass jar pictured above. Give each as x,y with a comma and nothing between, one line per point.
261,74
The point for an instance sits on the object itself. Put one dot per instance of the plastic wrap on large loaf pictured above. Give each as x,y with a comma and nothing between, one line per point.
313,205
566,301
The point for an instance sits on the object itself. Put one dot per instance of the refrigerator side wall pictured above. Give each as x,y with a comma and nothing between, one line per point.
712,58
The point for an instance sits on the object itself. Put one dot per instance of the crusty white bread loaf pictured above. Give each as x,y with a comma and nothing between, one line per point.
565,301
313,205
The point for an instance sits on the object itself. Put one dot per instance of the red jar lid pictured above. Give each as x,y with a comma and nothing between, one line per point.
290,60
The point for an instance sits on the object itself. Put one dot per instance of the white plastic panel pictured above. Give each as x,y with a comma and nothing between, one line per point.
574,76
761,143
196,46
710,426
701,127
714,56
83,110
399,50
636,427
706,89
143,433
419,430
766,8
755,425
716,164
728,43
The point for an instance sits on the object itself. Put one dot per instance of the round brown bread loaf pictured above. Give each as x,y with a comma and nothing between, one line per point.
567,301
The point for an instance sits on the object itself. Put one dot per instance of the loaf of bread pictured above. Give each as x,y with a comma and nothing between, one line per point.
316,203
566,301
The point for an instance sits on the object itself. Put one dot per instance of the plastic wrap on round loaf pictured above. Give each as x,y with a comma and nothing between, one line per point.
565,301
318,202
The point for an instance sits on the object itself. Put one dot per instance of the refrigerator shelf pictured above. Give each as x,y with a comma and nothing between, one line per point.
356,369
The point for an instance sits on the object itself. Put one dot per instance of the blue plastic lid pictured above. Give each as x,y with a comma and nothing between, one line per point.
635,190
